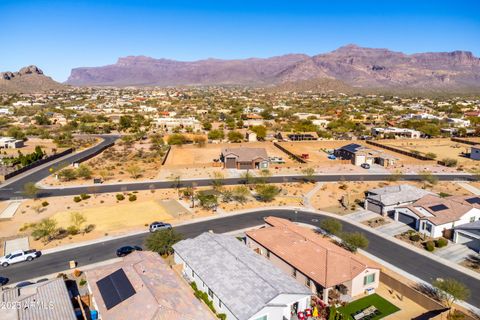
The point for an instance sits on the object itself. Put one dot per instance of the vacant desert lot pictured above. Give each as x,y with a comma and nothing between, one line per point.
442,148
191,156
47,145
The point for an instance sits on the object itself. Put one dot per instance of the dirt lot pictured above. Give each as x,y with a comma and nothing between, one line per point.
190,156
113,165
443,148
47,145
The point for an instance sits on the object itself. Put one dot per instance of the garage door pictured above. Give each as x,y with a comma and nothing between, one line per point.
410,221
468,241
374,207
231,163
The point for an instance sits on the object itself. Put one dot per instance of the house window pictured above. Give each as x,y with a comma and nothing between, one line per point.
210,293
472,219
268,254
369,279
193,274
429,227
308,282
294,272
262,318
219,303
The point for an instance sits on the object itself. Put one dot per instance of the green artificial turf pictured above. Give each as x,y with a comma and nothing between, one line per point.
385,307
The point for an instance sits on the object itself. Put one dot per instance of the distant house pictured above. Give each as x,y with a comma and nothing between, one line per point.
10,143
475,152
384,200
396,132
296,136
314,261
244,158
359,154
44,300
468,234
433,215
251,136
240,283
143,286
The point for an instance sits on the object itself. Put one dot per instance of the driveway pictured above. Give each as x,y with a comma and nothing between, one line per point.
454,252
362,215
393,228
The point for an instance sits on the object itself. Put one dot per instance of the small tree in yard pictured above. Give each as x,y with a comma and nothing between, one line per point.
240,194
267,192
45,229
332,226
207,201
354,240
83,171
67,174
218,180
161,241
427,176
308,173
77,219
30,190
135,171
451,291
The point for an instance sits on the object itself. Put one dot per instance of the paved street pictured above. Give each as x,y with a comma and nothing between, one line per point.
416,264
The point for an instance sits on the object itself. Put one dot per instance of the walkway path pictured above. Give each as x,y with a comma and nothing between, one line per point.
308,196
10,210
469,187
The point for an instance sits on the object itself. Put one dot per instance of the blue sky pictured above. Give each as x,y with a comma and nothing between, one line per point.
61,35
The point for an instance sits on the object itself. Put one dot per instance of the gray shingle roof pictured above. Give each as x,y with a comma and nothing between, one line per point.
391,195
472,228
46,300
244,281
246,154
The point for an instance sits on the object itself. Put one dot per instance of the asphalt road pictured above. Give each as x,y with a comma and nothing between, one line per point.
15,189
405,259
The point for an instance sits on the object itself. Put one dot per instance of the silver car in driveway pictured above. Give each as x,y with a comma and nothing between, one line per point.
155,226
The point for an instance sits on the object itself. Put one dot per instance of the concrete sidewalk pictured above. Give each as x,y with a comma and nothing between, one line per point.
11,209
469,187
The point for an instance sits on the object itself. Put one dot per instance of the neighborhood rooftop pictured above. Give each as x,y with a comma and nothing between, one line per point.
244,281
246,154
158,293
45,300
397,194
332,264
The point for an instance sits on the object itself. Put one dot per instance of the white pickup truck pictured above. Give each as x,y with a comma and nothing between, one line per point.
19,256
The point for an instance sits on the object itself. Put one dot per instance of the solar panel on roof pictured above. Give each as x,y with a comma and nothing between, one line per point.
474,200
115,288
438,207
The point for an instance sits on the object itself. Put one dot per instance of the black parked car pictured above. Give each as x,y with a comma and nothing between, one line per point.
3,281
123,251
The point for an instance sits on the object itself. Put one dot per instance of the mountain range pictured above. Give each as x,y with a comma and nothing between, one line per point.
348,66
27,80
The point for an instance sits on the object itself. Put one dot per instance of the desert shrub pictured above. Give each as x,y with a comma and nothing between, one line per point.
414,237
222,316
89,228
77,199
45,203
84,196
331,225
431,155
132,197
440,243
82,282
449,162
61,233
120,197
430,246
73,230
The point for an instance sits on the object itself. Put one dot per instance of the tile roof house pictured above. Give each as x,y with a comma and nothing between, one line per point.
384,200
40,301
244,158
359,155
147,289
433,215
242,284
314,261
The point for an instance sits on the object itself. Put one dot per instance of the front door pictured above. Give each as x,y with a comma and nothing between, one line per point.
295,308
